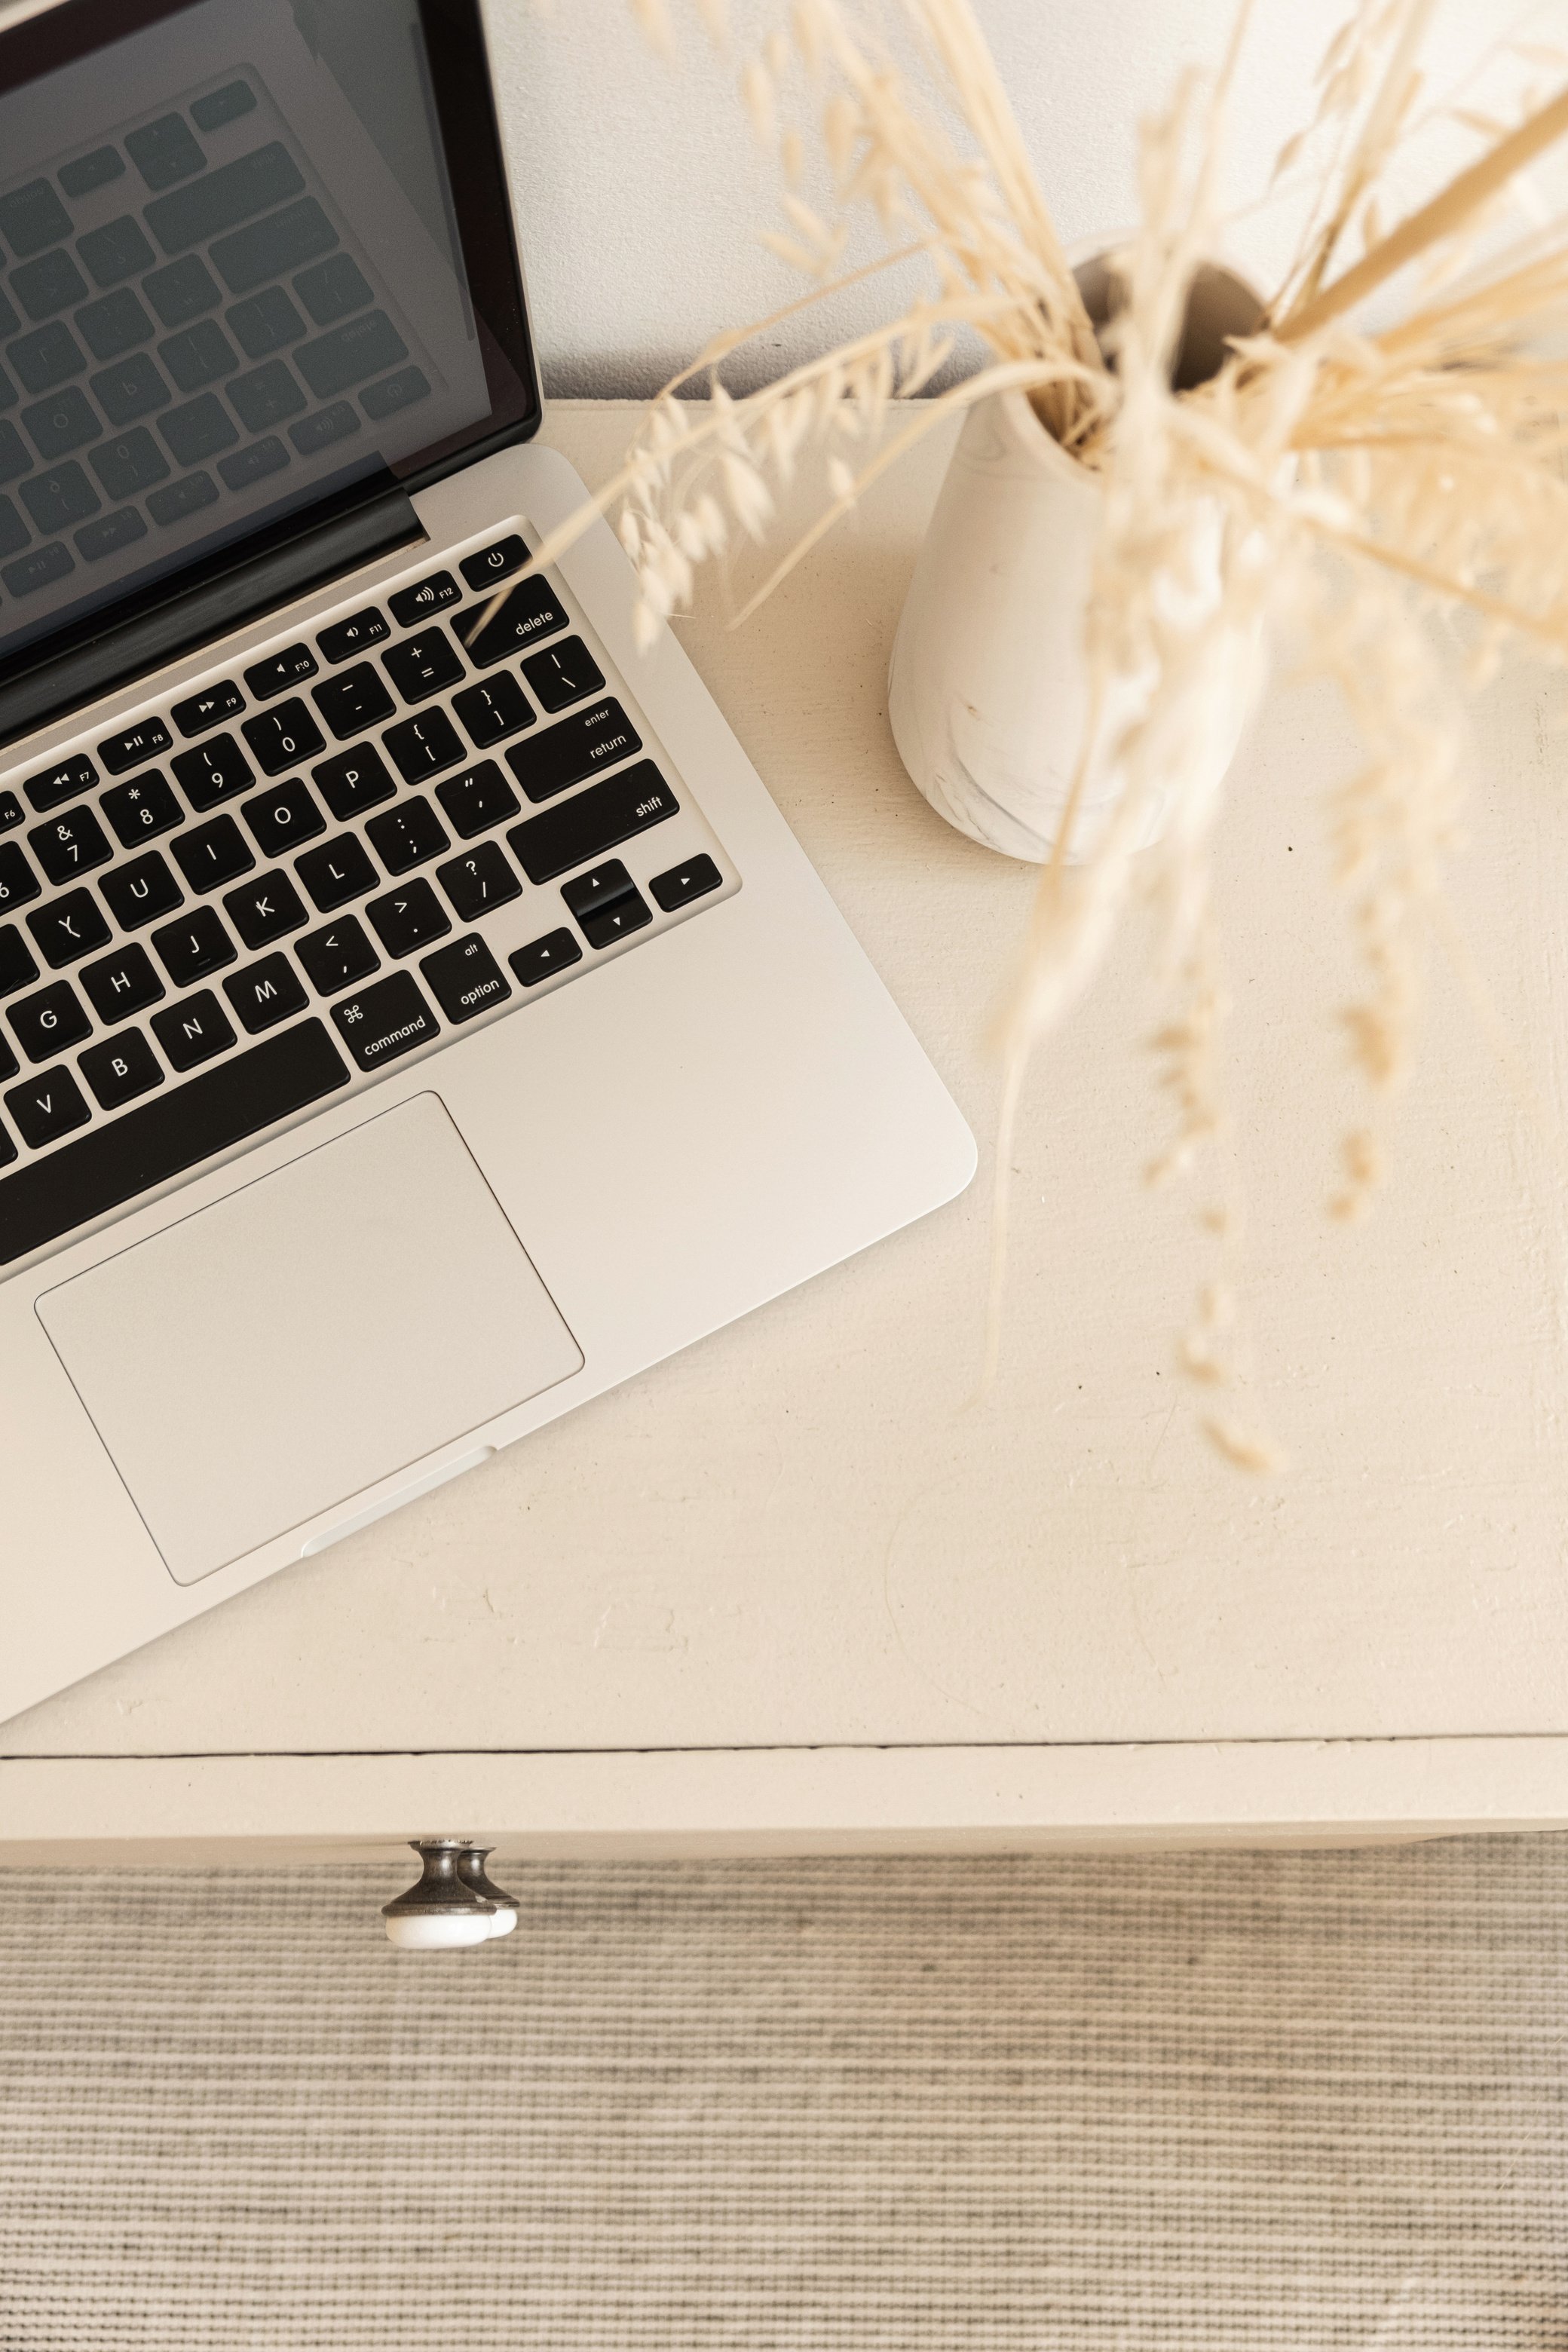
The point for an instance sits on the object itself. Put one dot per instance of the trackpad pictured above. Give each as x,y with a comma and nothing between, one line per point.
320,1329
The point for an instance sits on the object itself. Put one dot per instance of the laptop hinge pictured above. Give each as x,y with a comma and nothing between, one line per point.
228,596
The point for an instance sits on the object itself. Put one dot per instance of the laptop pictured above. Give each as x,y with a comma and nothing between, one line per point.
415,1016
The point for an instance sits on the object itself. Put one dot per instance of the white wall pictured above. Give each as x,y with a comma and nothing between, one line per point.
641,191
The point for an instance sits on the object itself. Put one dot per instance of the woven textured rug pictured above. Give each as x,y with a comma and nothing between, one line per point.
1196,2103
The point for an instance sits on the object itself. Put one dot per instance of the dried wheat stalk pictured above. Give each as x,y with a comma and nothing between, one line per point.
1360,477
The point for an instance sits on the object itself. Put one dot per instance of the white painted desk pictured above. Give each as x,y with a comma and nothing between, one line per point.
794,1590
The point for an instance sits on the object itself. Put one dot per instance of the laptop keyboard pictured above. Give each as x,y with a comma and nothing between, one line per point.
184,327
275,888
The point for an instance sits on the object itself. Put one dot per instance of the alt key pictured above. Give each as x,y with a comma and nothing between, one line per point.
465,978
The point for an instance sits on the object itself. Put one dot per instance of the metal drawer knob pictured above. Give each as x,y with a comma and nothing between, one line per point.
454,1904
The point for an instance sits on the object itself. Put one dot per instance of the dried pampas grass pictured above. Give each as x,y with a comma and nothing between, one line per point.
1369,468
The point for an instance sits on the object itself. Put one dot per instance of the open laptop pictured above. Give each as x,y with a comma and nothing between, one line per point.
414,1016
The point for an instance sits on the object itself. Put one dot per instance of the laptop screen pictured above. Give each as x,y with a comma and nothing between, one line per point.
239,280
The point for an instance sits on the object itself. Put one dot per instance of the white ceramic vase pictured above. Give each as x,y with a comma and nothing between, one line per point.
988,689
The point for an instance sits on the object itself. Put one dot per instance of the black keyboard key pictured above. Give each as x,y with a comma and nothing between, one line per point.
121,1068
693,879
142,809
16,964
212,854
354,780
181,498
269,247
62,422
164,151
266,909
425,665
59,498
601,818
148,739
194,1030
281,671
265,397
478,800
234,193
32,218
115,325
47,285
197,429
193,946
199,354
316,433
280,738
479,881
11,811
265,993
15,457
123,983
493,564
284,818
68,928
412,605
524,615
116,251
585,893
356,701
340,870
333,289
225,105
164,1137
52,785
394,392
49,356
602,925
343,640
408,919
129,464
562,674
407,836
133,387
383,1022
97,539
9,1065
542,958
423,747
493,710
214,704
265,322
47,1107
212,771
253,465
338,956
465,978
18,883
184,291
346,356
89,172
70,845
142,892
563,755
47,1023
30,572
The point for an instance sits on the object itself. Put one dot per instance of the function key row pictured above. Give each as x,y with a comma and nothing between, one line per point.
423,668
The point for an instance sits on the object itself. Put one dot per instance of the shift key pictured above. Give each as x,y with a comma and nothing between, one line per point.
595,821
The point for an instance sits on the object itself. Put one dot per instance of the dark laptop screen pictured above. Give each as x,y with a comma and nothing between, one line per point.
239,280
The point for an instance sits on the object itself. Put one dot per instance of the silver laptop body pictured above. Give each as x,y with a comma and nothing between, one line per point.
415,1016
